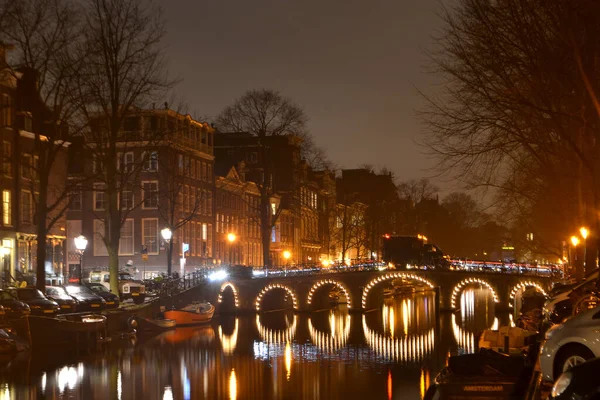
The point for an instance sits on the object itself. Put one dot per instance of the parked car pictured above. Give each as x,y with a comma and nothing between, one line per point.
14,308
111,299
559,307
129,288
580,382
65,301
88,300
37,302
571,343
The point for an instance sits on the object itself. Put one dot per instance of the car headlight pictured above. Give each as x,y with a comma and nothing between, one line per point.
561,384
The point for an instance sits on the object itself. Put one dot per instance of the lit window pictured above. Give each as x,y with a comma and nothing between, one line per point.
274,208
6,208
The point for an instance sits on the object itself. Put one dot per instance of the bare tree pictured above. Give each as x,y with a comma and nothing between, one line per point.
44,35
521,84
417,190
264,113
122,74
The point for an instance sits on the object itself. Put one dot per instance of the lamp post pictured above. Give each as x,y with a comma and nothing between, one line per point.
231,238
574,242
167,235
584,234
80,244
286,256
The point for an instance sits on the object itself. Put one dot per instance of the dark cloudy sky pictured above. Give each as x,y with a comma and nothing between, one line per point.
353,65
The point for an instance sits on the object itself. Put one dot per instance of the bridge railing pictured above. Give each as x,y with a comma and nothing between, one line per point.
313,269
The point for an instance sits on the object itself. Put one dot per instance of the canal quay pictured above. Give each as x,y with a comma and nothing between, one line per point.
393,351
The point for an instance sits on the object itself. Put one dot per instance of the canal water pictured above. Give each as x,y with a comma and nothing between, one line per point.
393,352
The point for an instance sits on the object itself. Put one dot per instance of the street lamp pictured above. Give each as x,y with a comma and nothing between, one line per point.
584,234
231,238
286,256
167,235
80,244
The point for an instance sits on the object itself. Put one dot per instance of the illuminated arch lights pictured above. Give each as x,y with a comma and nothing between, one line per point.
522,286
233,289
470,281
324,282
387,277
272,286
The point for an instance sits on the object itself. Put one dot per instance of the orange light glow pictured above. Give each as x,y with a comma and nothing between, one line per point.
389,385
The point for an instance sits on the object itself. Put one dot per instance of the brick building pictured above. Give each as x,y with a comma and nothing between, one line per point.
24,117
166,170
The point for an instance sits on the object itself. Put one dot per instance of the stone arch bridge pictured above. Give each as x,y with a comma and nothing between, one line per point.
363,289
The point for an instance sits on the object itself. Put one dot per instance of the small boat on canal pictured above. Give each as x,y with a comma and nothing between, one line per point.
192,314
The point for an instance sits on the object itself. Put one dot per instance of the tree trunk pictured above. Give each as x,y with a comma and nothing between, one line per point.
170,257
265,227
41,228
40,273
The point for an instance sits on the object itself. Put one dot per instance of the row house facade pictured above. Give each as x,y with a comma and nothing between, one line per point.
165,179
22,113
283,162
237,222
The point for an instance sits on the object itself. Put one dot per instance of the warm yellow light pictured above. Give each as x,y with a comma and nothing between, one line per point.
287,255
584,232
232,385
325,263
574,240
231,237
288,360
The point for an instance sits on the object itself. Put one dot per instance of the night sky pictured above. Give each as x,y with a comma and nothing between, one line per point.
353,65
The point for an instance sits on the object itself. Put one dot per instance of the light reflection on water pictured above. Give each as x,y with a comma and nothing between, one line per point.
394,352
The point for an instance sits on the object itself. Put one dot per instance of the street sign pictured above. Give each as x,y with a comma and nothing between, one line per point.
186,247
144,256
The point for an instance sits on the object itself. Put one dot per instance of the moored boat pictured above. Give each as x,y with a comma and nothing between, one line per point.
192,314
151,324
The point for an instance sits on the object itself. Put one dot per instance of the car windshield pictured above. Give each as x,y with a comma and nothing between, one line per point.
125,277
99,289
57,292
29,294
75,289
6,296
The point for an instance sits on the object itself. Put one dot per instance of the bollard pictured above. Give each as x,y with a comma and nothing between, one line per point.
506,345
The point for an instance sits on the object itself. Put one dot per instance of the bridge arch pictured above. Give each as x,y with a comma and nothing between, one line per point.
460,285
324,282
272,286
388,277
524,285
233,289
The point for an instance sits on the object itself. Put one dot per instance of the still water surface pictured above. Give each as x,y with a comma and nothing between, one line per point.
394,352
